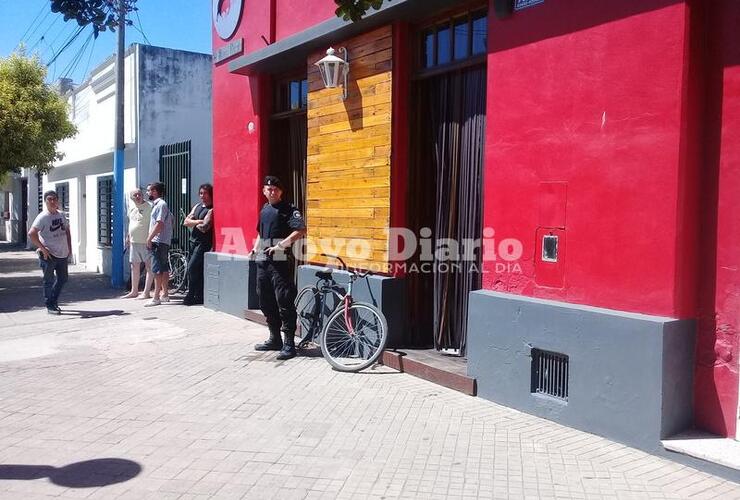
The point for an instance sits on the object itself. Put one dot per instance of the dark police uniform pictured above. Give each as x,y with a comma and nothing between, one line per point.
275,286
200,243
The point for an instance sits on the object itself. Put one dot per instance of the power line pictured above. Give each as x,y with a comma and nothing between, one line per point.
43,7
67,44
67,41
140,29
43,21
76,58
89,58
64,27
43,36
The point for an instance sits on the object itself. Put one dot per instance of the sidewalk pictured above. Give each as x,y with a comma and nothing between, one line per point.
114,400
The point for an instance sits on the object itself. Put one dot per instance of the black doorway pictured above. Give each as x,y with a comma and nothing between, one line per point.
445,196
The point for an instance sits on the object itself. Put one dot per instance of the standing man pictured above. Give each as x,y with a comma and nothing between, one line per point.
280,225
139,215
200,222
50,233
158,243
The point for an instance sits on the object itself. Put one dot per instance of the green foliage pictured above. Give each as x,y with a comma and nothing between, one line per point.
353,10
33,118
101,14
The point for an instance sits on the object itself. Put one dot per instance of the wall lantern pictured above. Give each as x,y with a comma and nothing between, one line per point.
332,68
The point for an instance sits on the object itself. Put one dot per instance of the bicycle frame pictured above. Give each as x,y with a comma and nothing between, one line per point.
347,298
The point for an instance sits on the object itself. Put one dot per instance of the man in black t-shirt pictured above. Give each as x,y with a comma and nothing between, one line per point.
280,224
200,222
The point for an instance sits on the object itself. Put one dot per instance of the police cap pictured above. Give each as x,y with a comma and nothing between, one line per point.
271,180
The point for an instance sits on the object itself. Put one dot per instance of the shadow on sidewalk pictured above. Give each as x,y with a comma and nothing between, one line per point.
88,474
19,293
93,314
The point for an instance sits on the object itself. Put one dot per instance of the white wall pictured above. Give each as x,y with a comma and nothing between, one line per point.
92,109
175,91
168,99
99,257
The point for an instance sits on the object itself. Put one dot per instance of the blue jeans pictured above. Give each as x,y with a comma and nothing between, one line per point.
53,285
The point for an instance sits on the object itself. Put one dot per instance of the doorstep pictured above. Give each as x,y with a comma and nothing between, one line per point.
432,365
705,446
255,316
427,364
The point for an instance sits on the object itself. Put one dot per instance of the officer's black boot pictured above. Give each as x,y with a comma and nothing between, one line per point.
288,350
272,344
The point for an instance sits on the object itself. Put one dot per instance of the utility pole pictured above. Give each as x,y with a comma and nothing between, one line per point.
117,237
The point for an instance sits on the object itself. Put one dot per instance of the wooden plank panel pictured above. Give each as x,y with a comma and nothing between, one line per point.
349,147
368,202
368,126
350,183
350,144
350,104
358,171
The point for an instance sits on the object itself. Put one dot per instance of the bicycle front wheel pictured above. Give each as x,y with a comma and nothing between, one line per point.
354,338
308,321
178,272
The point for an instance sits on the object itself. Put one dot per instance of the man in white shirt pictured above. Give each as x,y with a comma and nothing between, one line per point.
139,214
50,233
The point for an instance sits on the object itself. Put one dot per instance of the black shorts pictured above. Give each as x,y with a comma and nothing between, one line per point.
160,258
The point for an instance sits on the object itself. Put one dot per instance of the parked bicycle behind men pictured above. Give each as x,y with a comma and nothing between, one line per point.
50,233
158,242
280,224
139,215
200,222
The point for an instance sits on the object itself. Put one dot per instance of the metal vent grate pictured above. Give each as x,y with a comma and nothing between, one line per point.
550,374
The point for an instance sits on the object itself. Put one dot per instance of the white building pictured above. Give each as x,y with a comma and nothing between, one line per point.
167,137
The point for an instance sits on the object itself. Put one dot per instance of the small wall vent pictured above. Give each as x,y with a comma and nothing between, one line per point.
550,374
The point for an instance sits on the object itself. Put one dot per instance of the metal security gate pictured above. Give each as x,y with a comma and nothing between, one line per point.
174,172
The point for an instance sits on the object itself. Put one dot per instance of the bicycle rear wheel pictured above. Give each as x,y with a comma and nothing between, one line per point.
353,341
307,306
178,272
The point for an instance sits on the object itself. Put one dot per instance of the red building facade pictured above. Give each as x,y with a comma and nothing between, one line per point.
611,125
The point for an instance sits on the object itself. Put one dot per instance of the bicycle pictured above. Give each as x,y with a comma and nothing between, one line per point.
354,334
178,261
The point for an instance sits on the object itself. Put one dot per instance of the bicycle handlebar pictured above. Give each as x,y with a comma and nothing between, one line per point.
354,272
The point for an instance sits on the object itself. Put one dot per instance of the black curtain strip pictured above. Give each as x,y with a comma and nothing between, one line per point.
459,124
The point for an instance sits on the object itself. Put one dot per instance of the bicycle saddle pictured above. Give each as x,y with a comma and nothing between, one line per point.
324,274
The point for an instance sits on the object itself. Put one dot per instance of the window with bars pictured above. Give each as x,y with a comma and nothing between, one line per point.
62,189
105,210
454,40
291,95
550,374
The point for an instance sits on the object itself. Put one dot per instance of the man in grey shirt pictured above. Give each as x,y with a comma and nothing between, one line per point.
50,233
158,242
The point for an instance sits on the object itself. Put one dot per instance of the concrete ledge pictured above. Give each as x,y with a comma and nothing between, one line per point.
630,376
384,292
706,446
230,283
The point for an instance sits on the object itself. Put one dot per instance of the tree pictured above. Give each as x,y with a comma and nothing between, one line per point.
353,10
33,117
101,14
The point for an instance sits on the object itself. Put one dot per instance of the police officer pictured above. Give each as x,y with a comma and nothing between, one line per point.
280,224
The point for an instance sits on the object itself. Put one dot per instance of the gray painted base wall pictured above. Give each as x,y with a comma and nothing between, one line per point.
230,283
630,377
386,293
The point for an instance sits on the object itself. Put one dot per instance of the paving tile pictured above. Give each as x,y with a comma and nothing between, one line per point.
180,392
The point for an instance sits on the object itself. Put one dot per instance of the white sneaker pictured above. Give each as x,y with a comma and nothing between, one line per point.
165,298
153,302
